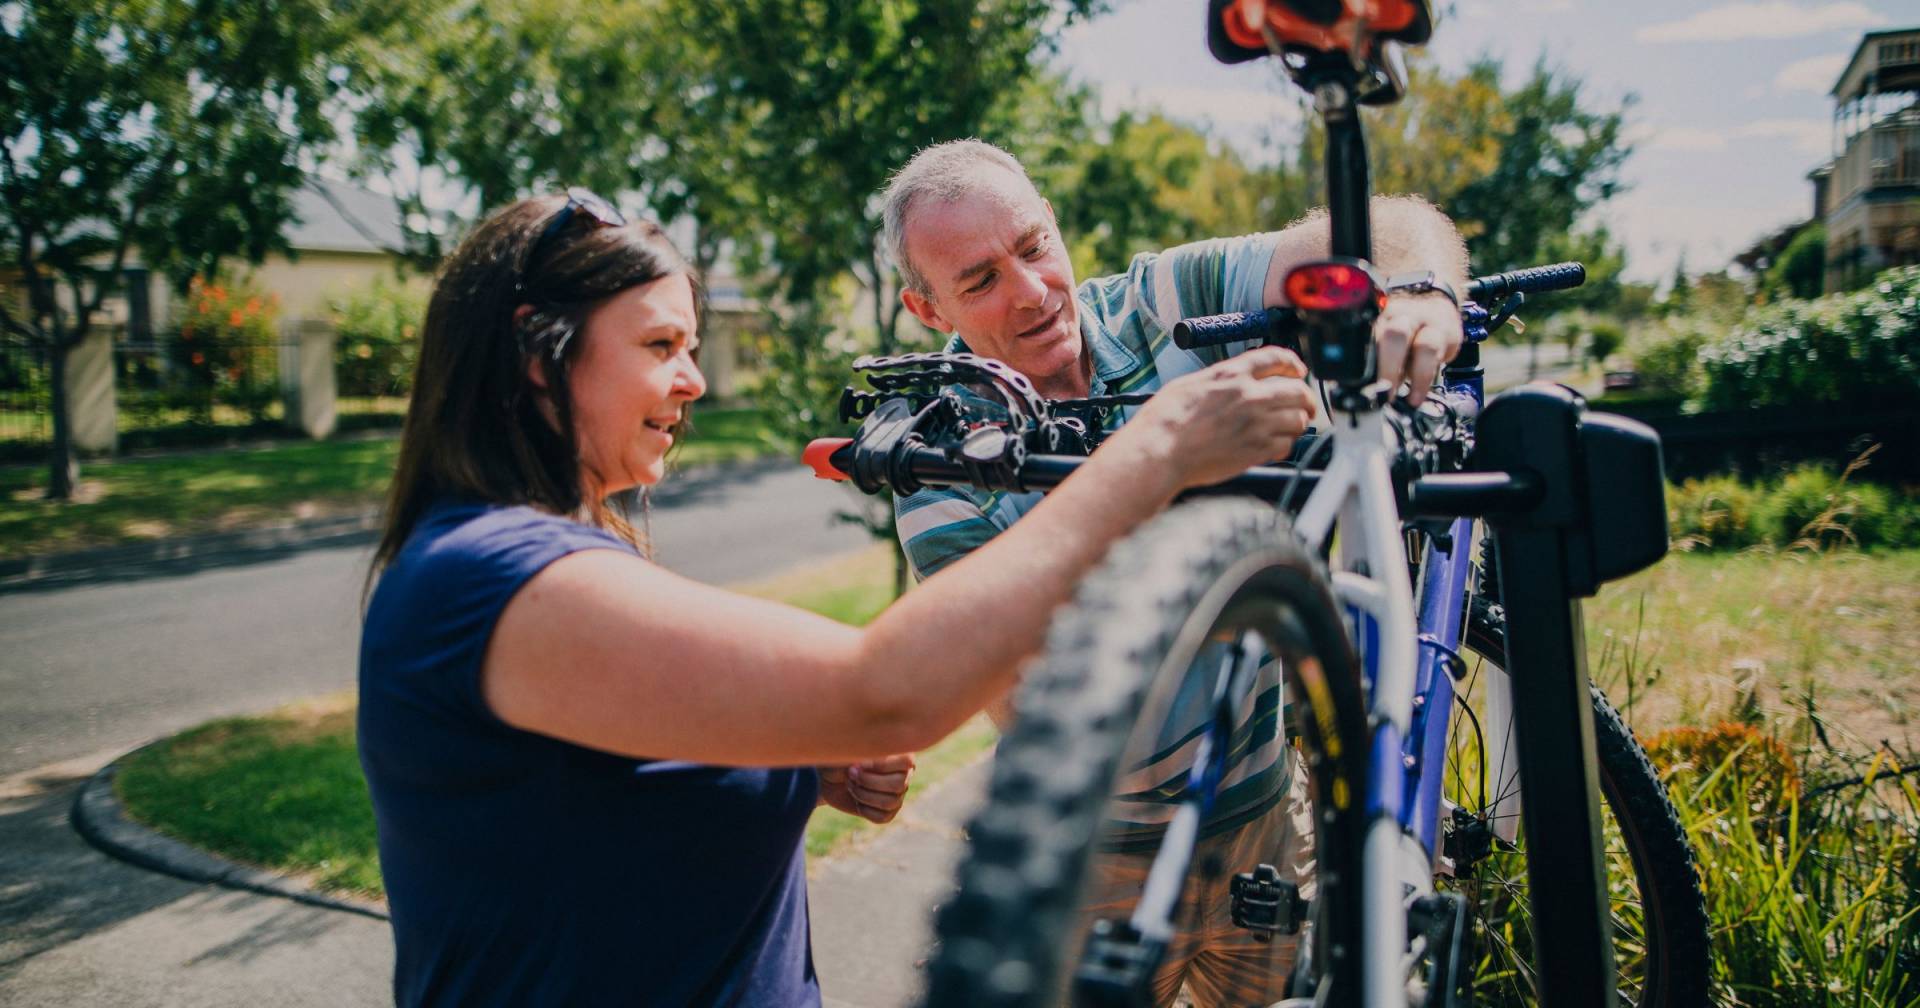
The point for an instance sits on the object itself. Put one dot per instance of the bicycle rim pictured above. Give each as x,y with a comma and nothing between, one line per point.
1067,831
1654,899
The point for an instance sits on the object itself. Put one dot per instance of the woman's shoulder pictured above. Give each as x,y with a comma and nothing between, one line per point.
475,538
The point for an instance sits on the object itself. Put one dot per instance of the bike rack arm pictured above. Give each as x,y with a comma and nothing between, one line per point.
1441,495
1539,555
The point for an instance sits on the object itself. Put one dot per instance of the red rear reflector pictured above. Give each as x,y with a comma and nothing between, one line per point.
1332,286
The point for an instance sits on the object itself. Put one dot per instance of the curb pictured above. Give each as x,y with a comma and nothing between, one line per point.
57,568
54,570
99,818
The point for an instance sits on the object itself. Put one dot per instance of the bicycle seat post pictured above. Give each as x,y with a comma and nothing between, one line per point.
1348,181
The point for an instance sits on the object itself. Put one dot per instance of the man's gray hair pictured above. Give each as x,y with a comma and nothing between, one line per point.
945,172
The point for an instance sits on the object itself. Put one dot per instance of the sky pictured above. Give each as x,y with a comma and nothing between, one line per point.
1731,106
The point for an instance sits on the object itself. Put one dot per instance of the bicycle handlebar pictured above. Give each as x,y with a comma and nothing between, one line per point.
1281,326
1273,325
1558,276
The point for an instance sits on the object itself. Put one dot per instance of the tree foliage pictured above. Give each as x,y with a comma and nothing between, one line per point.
824,100
162,129
1800,271
490,100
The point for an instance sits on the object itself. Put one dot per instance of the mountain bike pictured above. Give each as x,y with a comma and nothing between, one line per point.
1484,827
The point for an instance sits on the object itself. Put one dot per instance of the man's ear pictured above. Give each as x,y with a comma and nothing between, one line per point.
923,309
1045,202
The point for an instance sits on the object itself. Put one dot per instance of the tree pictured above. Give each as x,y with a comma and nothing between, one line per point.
819,102
1151,183
480,102
1558,158
1800,271
1517,170
163,128
829,98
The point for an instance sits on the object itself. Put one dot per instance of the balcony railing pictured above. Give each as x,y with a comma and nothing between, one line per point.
1885,155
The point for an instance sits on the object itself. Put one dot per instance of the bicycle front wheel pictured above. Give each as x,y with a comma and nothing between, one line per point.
1083,814
1660,940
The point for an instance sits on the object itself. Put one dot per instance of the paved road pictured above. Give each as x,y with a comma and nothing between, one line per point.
92,670
104,667
1509,364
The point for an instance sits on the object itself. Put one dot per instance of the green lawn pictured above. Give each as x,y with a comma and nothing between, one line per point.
284,790
158,497
1779,637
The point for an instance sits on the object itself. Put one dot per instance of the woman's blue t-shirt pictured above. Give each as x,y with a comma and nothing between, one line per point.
521,869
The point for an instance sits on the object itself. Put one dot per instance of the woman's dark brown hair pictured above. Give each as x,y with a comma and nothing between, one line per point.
475,427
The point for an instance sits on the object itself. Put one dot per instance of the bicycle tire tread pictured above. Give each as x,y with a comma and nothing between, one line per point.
1632,788
1019,884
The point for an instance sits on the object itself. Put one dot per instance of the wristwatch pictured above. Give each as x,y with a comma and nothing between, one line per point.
1421,282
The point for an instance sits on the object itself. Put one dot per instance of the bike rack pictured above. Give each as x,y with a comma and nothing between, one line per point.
1549,556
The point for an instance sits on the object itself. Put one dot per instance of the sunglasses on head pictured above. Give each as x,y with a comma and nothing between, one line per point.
582,203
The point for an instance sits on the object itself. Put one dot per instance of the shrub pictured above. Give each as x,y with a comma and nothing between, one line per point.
377,338
1766,770
1714,513
1604,339
1809,888
224,344
1862,349
1813,507
1666,356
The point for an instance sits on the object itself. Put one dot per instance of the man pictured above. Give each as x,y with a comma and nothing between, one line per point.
981,259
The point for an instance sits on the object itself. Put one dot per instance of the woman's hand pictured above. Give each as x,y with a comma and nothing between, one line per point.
872,789
1213,424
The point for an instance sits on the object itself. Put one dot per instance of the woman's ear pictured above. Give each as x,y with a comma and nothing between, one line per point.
536,372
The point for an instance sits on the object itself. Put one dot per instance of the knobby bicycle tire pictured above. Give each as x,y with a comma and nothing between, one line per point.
1008,938
1665,961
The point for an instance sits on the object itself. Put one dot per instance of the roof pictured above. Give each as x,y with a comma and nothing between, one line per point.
334,216
1900,74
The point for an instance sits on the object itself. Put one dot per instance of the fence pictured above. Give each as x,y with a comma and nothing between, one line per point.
374,377
1763,441
170,392
26,398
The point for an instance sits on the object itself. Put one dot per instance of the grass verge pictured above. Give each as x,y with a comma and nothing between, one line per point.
284,790
160,497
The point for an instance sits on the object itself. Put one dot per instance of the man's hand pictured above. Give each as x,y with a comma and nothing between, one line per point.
1414,335
872,789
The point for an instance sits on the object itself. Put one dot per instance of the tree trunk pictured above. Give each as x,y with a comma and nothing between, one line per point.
883,320
64,469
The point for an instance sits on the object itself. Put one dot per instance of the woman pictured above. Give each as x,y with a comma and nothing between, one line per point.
591,775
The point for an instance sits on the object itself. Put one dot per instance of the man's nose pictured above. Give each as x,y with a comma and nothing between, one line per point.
1029,287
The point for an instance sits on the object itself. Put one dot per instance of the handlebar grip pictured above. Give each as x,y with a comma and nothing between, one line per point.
1214,330
1558,276
819,454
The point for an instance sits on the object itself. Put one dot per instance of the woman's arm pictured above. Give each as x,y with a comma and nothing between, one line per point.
608,651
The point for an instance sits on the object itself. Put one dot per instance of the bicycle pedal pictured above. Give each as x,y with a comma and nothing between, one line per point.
1116,970
1266,904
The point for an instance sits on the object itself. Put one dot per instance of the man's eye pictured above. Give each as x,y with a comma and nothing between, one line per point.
985,282
1034,251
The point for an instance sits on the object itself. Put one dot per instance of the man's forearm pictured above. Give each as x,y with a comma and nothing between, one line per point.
1409,233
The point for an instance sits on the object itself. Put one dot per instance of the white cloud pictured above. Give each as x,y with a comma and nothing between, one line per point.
1468,10
1804,136
1816,74
1775,19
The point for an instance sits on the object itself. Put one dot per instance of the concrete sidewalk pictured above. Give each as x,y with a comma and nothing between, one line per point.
80,928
